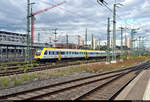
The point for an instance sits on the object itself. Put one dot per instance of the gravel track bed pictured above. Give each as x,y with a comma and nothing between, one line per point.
46,82
107,91
42,83
59,68
73,93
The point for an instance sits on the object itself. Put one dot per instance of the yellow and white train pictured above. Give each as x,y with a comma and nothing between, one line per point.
58,54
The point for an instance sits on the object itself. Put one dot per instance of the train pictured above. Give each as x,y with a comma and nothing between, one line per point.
59,54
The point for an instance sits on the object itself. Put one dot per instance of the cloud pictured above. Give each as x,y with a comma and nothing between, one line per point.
75,15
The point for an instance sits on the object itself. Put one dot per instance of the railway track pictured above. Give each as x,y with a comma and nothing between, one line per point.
102,86
16,70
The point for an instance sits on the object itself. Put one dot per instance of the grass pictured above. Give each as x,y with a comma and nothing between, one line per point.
26,67
14,80
5,82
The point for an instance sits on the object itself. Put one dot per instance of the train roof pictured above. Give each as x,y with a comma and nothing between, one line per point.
74,50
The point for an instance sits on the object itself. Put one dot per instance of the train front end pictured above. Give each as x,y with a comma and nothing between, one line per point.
38,54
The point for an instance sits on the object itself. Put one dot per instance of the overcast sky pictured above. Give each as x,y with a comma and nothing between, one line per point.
75,16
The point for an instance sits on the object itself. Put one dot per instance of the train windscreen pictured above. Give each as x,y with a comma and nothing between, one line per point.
38,52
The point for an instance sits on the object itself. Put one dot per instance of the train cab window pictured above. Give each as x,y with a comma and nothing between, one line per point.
45,53
38,52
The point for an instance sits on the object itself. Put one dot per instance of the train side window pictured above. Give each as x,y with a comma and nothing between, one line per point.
51,52
62,53
45,53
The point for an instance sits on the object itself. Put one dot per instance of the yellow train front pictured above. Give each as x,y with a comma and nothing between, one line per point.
59,54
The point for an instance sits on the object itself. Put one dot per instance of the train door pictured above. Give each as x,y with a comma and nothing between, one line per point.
59,55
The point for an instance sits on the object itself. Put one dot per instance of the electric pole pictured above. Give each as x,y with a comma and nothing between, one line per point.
55,33
28,32
132,41
86,38
132,31
114,35
121,55
143,48
31,38
92,42
67,40
108,42
139,45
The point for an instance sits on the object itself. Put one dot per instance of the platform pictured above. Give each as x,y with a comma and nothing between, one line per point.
138,89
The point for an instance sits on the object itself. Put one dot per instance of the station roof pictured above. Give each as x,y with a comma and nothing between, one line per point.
11,33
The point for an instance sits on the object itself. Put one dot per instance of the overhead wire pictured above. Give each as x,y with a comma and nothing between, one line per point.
72,13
